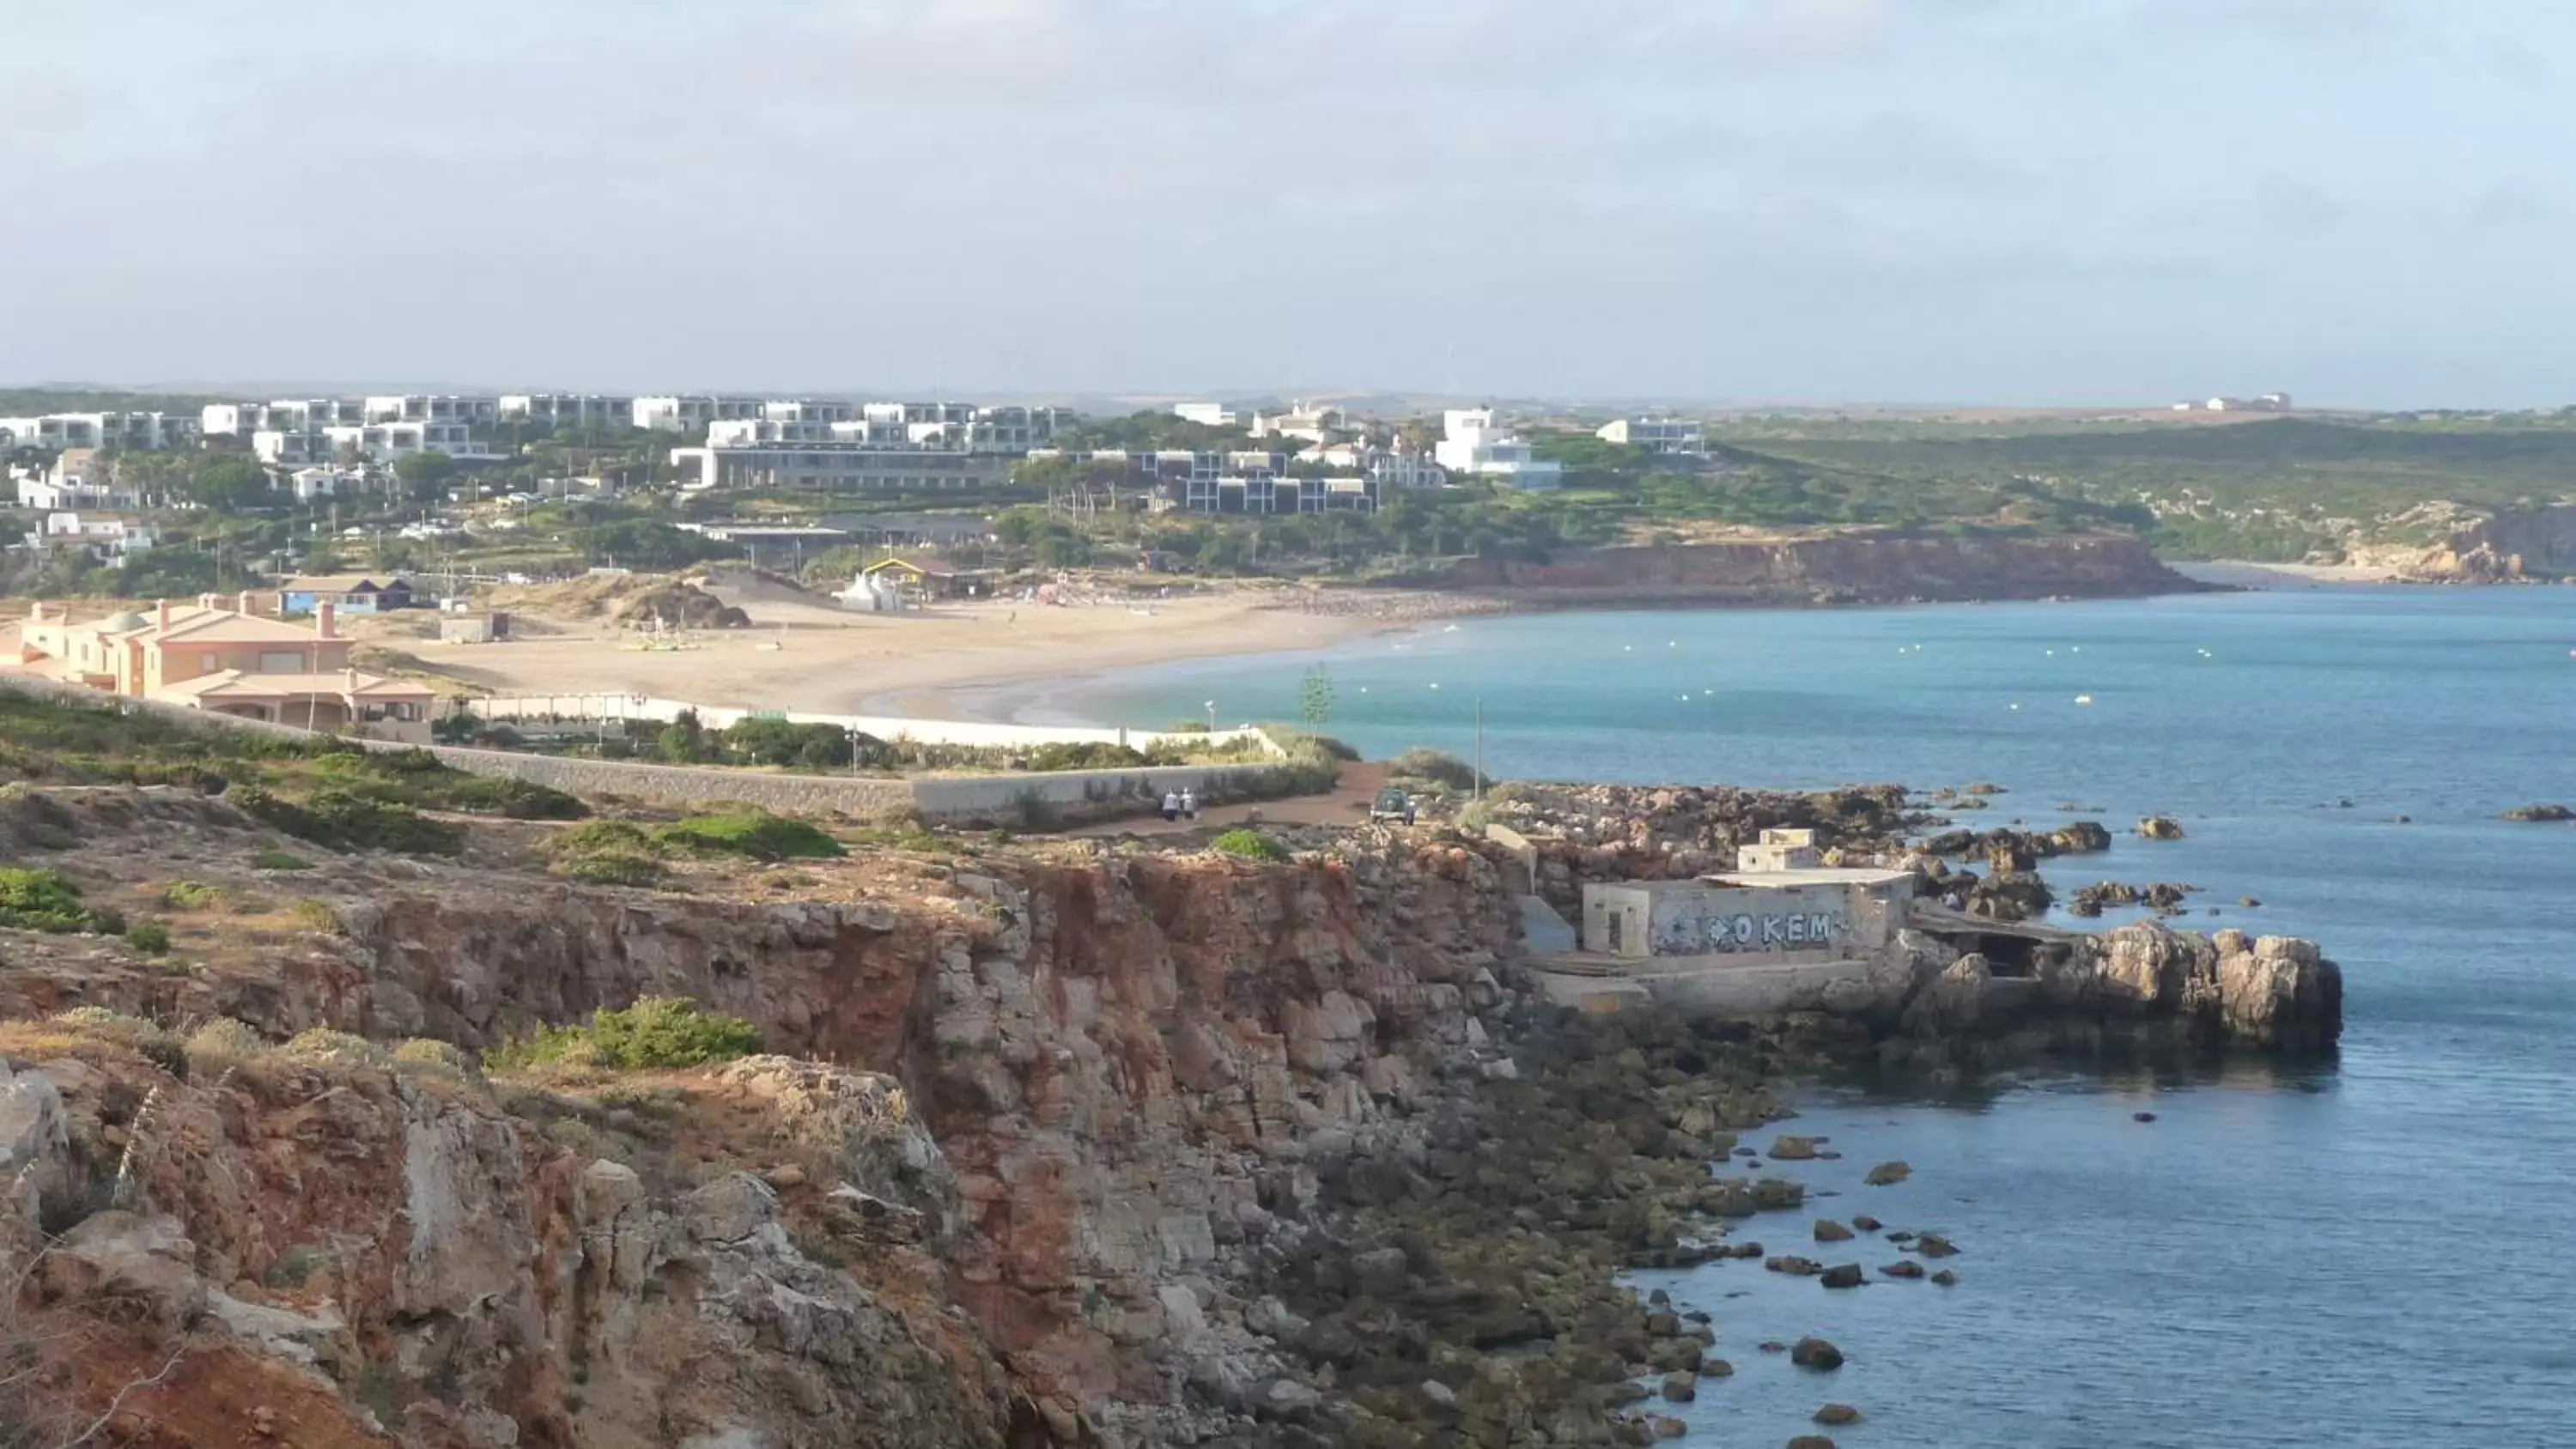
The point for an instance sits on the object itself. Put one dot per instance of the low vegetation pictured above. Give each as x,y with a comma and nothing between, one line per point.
1433,767
1250,844
41,900
325,791
656,1033
761,837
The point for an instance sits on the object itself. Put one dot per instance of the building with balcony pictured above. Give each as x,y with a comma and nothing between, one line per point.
676,414
431,408
568,409
1477,445
132,431
286,415
1678,437
839,467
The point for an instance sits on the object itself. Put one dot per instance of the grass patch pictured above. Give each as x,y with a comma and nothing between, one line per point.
762,837
656,1032
344,821
612,870
149,939
279,860
226,1041
323,1046
1250,844
602,837
318,916
189,895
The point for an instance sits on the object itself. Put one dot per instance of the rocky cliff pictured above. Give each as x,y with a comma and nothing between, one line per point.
1860,566
1075,1145
2511,545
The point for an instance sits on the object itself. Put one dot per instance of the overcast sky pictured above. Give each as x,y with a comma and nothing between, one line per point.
2365,202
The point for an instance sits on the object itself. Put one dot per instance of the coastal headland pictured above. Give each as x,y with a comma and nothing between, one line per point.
1048,1142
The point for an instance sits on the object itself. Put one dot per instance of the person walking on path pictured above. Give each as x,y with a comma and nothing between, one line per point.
1171,806
1189,804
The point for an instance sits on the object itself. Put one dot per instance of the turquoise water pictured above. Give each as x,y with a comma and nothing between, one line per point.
2366,1253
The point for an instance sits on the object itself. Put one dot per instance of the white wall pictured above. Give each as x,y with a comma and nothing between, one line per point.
885,727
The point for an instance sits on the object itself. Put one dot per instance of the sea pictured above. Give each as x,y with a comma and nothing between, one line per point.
2375,1251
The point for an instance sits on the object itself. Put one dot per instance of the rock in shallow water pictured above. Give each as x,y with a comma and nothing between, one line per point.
1816,1353
1887,1174
1838,1415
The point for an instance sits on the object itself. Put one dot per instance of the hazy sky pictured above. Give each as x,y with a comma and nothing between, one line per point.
2028,201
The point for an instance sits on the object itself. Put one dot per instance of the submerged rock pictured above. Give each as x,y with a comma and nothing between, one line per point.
1887,1174
1816,1353
1837,1415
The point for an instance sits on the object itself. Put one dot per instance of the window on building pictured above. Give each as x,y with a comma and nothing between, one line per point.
209,663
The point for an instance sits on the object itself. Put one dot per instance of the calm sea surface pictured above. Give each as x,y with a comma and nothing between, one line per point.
2376,1253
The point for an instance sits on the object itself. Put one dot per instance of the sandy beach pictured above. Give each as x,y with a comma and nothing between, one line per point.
2237,573
948,662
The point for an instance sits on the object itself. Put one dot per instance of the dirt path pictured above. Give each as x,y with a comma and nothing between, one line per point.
1347,805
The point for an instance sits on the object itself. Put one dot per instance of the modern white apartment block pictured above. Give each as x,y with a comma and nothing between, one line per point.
843,467
431,408
587,408
1206,414
1476,444
135,431
1683,437
374,442
1236,482
287,415
675,414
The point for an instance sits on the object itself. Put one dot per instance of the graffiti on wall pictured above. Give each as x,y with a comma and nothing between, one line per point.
1722,932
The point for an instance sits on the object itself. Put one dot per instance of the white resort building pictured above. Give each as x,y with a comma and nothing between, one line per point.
1476,444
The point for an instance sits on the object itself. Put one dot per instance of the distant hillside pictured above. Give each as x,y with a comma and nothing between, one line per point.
2284,488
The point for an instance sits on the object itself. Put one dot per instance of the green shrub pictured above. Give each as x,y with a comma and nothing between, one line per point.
150,939
225,1040
1088,755
656,1032
509,798
762,837
1432,765
427,1057
41,900
346,821
611,869
279,860
1250,844
337,1048
602,837
189,895
131,1032
318,916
